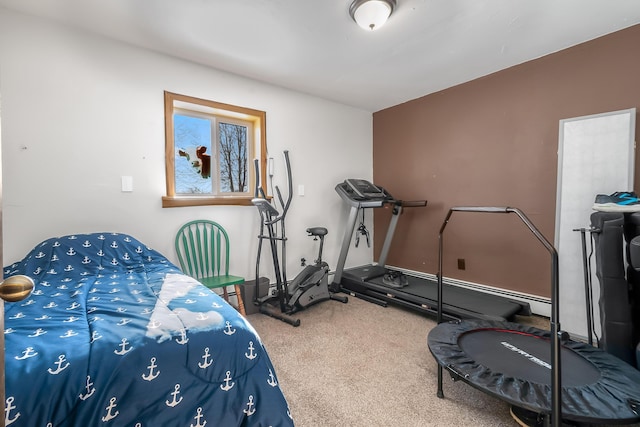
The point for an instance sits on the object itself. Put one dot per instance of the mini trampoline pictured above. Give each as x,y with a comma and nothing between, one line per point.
522,364
512,362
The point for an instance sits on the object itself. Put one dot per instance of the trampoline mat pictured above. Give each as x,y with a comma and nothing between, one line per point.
523,355
513,362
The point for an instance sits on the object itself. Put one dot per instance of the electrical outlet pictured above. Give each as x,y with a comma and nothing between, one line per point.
461,264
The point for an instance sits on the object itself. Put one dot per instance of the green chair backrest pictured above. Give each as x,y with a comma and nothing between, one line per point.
203,249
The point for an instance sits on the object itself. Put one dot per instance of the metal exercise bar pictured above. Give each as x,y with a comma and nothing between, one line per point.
588,285
556,390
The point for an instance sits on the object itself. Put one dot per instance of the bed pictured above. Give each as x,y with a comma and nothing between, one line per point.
115,335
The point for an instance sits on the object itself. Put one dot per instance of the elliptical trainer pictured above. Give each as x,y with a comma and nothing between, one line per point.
311,285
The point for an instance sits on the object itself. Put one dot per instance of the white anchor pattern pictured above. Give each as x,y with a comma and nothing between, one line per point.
8,417
124,325
175,401
61,364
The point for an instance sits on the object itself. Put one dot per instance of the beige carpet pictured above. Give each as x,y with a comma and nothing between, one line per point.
359,364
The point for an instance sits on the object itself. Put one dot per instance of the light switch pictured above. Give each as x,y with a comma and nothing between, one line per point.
300,190
127,184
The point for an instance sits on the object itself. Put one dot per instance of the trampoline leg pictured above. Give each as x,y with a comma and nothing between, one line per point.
440,393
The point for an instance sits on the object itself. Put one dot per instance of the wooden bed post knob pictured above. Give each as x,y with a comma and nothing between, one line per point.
16,288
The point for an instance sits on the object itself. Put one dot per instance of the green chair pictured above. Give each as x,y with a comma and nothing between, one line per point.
203,251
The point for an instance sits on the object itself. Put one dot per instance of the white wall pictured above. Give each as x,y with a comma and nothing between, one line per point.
80,111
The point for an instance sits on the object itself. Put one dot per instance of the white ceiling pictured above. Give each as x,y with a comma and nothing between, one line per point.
313,46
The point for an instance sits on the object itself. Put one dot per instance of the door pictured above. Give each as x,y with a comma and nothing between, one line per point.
596,155
15,288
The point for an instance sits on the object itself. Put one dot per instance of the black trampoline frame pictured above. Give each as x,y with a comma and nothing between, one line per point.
555,331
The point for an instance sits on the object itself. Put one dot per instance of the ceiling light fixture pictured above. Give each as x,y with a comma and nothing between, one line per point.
371,14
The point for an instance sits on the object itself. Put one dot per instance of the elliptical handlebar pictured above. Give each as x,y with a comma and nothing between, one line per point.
259,191
285,206
260,199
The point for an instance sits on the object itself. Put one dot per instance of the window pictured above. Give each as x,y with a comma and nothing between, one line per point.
210,150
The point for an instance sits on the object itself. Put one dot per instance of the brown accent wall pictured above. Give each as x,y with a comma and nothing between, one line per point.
493,142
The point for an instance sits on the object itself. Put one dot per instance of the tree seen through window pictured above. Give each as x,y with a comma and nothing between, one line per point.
233,157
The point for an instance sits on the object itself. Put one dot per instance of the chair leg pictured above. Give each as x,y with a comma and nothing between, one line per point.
225,294
240,301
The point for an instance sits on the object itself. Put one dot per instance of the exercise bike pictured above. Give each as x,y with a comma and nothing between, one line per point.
311,285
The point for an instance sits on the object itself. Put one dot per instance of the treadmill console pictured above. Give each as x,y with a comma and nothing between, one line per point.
363,194
364,190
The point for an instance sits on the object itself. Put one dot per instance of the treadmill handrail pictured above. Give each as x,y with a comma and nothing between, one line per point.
411,203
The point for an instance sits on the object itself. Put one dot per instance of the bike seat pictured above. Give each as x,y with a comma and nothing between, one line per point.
317,231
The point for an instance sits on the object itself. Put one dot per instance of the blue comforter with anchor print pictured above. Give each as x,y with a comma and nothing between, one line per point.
115,335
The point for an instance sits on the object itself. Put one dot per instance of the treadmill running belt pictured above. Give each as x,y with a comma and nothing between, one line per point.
458,302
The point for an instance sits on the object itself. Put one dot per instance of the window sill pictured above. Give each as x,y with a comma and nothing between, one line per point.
177,202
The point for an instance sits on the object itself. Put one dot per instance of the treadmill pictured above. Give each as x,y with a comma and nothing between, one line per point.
382,285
